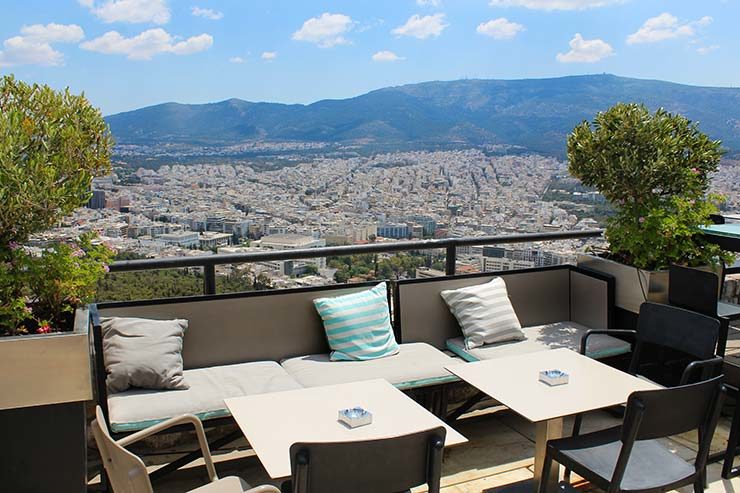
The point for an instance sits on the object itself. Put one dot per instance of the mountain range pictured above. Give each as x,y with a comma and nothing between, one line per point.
534,114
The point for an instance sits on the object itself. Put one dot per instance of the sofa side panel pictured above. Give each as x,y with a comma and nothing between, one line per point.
592,299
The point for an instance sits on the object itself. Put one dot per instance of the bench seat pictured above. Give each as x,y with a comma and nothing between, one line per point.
136,409
416,365
543,337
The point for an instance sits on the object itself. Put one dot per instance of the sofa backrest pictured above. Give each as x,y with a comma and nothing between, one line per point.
539,296
237,328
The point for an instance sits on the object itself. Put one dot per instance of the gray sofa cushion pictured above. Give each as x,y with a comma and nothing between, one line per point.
543,337
143,353
415,365
137,409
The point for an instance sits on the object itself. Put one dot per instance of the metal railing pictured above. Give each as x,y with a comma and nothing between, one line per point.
209,262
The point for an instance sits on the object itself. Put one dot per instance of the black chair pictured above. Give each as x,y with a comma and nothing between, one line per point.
667,331
699,290
630,457
372,466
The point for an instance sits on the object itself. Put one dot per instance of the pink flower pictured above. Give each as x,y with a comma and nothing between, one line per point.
106,268
13,245
28,310
695,171
78,253
44,329
642,219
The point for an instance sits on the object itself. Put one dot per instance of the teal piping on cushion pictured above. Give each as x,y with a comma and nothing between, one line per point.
461,352
609,352
142,425
425,382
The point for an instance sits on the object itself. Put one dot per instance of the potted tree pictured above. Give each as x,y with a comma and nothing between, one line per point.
654,169
52,145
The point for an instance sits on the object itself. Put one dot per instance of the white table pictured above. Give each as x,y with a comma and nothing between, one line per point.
275,421
514,382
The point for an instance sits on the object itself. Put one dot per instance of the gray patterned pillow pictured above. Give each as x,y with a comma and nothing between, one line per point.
143,353
484,313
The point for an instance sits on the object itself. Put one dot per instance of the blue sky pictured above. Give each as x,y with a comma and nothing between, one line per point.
125,54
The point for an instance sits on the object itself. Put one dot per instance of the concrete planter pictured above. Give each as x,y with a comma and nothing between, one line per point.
46,382
633,286
46,368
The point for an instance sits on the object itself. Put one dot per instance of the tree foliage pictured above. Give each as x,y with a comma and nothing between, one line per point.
655,171
52,144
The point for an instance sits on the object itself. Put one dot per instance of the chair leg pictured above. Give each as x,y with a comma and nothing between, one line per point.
699,484
546,468
732,441
576,431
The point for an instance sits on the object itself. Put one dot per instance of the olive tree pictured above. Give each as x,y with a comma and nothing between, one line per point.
51,146
655,169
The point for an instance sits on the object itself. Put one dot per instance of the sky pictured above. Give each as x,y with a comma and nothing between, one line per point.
127,54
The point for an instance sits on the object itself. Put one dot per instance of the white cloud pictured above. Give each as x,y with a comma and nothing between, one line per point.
210,14
429,3
386,56
422,27
666,26
133,11
554,4
585,50
269,55
33,46
500,28
326,30
147,44
705,50
236,59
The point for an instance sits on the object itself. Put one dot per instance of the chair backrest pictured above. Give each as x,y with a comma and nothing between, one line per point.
662,413
126,471
694,289
372,466
674,328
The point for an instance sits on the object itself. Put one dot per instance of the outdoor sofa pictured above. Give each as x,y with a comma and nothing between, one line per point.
271,341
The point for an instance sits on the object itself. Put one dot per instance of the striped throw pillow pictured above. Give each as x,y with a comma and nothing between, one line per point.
358,325
484,313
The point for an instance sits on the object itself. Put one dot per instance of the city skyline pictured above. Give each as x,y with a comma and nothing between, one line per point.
125,54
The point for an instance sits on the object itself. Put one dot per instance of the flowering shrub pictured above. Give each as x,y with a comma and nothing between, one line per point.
52,144
41,291
655,170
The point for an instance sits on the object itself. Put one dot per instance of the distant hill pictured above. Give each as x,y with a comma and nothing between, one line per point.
536,114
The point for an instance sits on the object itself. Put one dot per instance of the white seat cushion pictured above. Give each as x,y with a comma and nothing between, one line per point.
136,409
415,365
543,337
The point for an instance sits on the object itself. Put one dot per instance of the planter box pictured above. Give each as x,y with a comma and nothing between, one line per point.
46,368
43,392
633,286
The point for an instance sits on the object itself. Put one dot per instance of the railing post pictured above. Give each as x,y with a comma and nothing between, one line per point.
450,260
209,279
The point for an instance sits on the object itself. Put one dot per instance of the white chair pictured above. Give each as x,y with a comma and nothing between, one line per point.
127,472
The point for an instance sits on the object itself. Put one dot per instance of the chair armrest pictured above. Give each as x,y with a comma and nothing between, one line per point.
610,332
265,488
707,368
177,420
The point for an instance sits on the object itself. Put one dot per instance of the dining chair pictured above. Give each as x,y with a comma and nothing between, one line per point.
631,457
663,329
127,472
699,290
371,466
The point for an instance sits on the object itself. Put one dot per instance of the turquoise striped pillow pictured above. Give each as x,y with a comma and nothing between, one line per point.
358,325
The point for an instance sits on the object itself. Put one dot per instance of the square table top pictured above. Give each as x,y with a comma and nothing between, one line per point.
273,422
514,381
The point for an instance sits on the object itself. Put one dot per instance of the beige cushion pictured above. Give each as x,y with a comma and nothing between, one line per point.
229,484
484,313
137,409
143,353
415,365
543,337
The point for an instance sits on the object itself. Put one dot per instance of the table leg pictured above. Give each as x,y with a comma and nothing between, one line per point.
546,430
